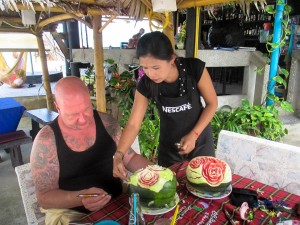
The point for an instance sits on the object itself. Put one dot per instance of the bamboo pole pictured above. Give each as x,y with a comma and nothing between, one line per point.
196,3
98,62
46,83
169,30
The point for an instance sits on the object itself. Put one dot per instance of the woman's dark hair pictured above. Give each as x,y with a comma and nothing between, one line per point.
155,44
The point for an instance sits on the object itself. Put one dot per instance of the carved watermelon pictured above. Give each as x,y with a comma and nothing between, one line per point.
208,174
156,186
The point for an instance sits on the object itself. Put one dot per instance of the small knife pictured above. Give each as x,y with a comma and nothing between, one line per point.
178,145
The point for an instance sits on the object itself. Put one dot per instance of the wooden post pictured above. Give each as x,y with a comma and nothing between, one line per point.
42,53
98,62
169,30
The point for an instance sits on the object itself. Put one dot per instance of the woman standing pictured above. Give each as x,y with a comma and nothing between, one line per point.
176,85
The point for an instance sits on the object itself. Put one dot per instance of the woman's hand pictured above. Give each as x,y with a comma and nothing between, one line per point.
188,143
96,202
119,168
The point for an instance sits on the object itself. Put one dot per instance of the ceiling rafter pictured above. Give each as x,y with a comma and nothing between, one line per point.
61,17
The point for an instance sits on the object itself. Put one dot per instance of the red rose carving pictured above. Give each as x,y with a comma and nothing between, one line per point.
148,177
213,171
195,163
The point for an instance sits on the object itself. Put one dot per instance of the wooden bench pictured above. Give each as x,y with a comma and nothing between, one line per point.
11,141
42,116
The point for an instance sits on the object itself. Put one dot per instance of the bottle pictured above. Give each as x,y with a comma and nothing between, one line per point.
136,216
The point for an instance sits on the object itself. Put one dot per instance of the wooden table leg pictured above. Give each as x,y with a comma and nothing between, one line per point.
35,129
16,156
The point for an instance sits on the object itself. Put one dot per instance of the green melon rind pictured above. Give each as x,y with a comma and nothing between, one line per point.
207,188
153,199
164,176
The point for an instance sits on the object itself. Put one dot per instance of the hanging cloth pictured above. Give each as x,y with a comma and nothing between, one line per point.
15,76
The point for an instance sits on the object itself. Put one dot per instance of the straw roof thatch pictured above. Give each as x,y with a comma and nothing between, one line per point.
10,15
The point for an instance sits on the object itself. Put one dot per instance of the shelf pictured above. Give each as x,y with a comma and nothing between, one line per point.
251,24
264,21
251,39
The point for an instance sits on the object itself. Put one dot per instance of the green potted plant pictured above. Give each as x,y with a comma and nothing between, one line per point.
255,120
89,80
181,36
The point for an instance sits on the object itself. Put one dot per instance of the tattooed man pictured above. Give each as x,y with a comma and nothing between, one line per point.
72,158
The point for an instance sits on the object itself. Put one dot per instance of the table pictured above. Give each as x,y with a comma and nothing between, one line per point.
12,142
11,112
42,116
118,208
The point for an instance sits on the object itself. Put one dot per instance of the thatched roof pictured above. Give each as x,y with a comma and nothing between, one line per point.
10,15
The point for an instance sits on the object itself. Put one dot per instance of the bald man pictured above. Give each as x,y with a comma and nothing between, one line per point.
73,156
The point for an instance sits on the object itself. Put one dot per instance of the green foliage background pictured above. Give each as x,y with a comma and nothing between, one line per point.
122,88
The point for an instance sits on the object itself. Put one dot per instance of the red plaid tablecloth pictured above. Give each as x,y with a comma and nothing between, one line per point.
118,209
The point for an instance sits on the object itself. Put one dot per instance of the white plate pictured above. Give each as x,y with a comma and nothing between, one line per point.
209,195
158,211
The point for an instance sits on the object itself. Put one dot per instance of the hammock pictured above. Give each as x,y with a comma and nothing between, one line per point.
15,76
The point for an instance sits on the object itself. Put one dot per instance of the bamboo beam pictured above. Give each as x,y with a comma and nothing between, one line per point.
46,84
98,62
39,8
196,3
54,19
82,20
62,17
107,22
15,20
97,12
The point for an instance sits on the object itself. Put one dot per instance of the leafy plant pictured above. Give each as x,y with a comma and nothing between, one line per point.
122,87
224,119
89,80
149,133
182,33
256,120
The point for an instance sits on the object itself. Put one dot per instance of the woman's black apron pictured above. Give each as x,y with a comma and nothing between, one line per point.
178,117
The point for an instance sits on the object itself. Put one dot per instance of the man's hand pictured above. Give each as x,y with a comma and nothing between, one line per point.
119,168
95,203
